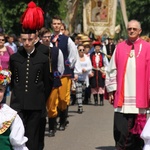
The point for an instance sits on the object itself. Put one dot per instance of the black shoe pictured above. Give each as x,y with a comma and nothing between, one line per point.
67,122
62,127
80,109
101,103
51,133
96,103
85,102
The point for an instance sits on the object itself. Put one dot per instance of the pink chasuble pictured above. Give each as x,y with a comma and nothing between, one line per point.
142,60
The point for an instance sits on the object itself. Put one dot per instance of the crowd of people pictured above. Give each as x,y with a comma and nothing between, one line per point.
64,61
51,70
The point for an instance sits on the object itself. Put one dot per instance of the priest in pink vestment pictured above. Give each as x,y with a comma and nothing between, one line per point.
127,87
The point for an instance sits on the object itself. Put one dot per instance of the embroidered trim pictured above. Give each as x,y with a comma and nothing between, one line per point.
67,62
57,74
139,50
6,125
131,53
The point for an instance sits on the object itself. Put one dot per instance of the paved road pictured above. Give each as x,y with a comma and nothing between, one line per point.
91,130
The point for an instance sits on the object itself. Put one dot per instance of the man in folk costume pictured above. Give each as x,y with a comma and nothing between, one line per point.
56,69
69,51
30,76
99,63
127,78
44,50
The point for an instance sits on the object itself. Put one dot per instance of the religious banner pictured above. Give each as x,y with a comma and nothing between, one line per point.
99,17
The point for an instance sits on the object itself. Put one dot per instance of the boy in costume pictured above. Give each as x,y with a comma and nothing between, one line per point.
30,78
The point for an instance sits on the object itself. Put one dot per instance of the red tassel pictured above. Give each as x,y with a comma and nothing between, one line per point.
31,5
140,122
32,18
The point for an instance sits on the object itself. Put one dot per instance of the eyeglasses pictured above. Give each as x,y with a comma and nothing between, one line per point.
81,50
2,39
46,37
134,29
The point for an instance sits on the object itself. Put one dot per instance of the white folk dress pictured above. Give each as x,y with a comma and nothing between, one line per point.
10,118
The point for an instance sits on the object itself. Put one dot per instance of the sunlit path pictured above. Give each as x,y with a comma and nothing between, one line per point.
88,131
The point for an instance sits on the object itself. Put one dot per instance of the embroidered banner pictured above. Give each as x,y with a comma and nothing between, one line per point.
99,17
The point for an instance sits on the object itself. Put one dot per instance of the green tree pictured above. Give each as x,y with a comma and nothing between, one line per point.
137,9
10,18
12,10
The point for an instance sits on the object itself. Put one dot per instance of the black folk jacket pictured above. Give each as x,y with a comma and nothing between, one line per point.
30,80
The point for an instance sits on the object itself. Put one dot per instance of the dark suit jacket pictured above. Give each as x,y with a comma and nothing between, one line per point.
110,49
42,48
30,80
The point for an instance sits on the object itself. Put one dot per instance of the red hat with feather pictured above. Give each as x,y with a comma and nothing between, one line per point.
32,19
96,43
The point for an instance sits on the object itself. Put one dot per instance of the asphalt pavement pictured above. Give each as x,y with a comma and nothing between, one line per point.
91,130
